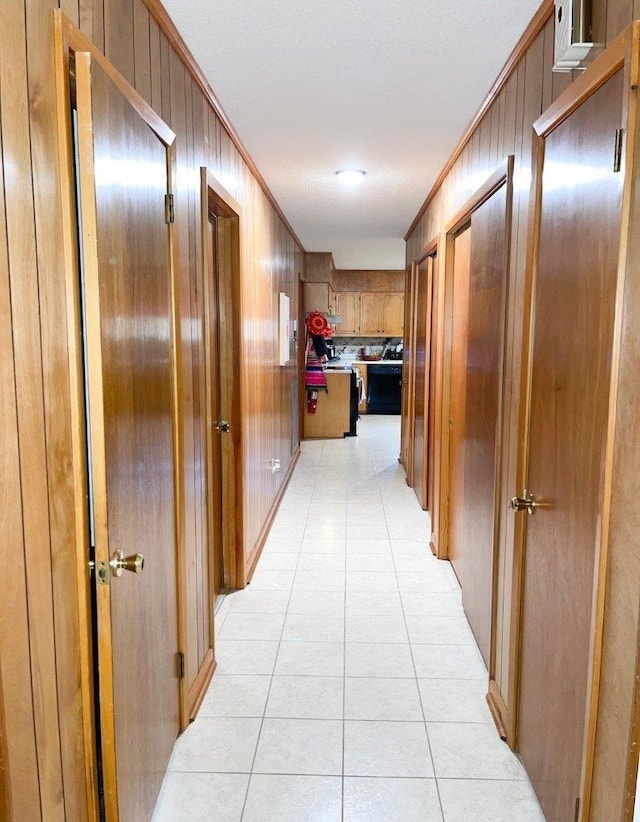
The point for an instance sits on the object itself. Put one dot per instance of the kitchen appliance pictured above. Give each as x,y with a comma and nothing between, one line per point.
384,389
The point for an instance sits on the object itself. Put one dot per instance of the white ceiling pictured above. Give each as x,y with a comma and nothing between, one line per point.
384,85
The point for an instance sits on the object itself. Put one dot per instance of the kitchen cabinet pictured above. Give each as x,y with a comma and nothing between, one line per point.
348,309
331,419
372,314
317,297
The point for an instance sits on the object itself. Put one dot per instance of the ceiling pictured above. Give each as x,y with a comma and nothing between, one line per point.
384,85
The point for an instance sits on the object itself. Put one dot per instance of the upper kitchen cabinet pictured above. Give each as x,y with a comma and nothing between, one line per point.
318,297
347,307
370,314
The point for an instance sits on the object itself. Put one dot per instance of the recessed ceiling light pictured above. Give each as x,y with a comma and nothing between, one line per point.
350,176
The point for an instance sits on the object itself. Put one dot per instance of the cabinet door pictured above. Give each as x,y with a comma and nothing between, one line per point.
347,307
371,314
392,314
316,297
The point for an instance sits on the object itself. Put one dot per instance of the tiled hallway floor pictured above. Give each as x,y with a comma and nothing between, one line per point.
349,685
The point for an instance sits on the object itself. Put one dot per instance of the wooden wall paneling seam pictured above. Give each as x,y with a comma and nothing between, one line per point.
69,235
141,50
25,295
56,408
155,76
20,746
119,37
530,34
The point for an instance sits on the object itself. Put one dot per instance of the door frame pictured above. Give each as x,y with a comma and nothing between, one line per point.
406,445
69,41
503,175
430,250
214,198
619,465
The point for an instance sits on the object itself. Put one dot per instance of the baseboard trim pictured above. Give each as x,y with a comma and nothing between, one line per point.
498,709
264,531
200,684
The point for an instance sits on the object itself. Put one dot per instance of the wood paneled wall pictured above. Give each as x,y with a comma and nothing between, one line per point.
39,606
506,128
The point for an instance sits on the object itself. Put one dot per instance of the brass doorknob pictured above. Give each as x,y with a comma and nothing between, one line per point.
119,563
223,427
526,502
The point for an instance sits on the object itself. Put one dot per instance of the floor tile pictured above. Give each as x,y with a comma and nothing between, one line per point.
365,581
319,581
300,746
386,749
369,799
190,797
235,695
294,799
272,561
376,629
449,661
324,545
423,584
384,659
245,657
310,658
221,745
382,699
314,628
411,546
369,562
272,580
374,603
306,697
488,800
433,604
471,751
321,562
250,601
366,531
282,545
317,602
455,700
448,630
368,546
252,626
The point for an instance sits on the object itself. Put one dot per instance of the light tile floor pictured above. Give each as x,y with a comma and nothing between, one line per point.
349,685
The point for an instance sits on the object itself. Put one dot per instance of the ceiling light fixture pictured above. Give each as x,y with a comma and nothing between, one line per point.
350,176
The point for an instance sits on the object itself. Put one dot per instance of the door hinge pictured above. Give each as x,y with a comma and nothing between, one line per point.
180,664
617,150
169,214
576,816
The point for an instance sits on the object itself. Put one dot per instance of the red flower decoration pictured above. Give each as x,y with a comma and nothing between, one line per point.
317,324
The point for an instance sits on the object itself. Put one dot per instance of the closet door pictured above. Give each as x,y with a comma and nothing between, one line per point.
571,353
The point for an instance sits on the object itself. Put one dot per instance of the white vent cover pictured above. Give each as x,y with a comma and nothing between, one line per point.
573,34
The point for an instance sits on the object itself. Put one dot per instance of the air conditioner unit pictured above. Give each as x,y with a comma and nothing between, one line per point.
573,34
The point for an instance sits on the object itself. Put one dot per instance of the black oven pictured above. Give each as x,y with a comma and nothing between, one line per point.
384,389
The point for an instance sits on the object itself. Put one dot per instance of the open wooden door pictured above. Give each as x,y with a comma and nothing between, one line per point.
128,328
408,372
574,287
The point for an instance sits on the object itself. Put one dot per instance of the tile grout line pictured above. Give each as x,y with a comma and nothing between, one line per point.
415,671
275,662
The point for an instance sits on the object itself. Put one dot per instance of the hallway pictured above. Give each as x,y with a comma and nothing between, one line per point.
349,686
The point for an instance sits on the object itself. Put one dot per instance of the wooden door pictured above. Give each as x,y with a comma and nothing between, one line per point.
128,326
392,315
348,309
460,322
371,320
571,352
488,272
424,294
407,398
216,424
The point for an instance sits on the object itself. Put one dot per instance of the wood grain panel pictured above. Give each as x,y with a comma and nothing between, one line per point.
29,379
424,295
119,37
141,50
